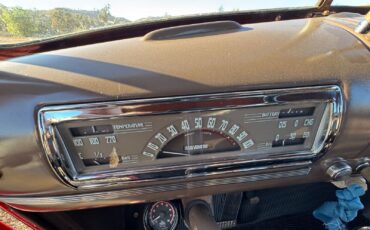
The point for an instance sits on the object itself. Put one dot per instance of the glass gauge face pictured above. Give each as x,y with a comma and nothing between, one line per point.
198,136
139,141
198,142
162,215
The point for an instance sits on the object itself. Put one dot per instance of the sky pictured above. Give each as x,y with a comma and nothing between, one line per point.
136,9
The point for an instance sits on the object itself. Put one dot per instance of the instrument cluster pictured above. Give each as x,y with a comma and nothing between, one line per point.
191,136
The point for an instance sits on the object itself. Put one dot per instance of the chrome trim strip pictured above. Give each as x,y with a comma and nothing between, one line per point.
227,224
127,196
49,116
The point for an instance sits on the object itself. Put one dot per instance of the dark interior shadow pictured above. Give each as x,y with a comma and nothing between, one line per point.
140,78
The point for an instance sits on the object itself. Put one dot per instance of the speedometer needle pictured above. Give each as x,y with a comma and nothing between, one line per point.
175,153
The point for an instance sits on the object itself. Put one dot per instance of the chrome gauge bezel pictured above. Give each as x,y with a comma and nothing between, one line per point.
147,213
58,156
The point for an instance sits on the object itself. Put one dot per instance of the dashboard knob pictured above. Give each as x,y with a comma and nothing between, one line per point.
362,166
339,170
365,172
364,25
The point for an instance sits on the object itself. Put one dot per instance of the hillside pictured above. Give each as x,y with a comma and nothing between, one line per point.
19,24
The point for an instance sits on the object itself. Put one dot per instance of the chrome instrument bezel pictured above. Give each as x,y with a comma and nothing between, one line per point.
58,158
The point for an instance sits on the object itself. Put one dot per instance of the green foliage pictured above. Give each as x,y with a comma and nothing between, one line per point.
104,14
63,21
38,23
19,22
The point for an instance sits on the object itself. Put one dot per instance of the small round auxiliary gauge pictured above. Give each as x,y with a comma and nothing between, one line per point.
162,215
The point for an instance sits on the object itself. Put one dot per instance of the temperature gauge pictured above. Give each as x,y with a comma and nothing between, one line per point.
162,215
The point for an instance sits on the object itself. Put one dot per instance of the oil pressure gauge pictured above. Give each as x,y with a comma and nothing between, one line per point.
162,215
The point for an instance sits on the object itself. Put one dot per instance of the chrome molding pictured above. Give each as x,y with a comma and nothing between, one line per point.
129,196
57,156
227,224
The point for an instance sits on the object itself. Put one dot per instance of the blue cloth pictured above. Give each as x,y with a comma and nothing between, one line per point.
335,214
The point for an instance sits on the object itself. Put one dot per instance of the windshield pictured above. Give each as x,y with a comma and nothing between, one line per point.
25,20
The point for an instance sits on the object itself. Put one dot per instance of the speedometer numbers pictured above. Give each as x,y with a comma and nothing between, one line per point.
200,135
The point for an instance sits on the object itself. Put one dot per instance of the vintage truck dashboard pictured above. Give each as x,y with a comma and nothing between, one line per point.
186,111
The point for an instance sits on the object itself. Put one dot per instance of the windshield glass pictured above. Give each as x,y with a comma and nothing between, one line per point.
351,3
25,20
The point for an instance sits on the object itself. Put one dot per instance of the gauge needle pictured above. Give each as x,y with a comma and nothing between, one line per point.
157,218
175,153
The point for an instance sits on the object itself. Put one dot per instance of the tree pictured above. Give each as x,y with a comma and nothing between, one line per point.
104,14
44,23
2,23
63,21
19,21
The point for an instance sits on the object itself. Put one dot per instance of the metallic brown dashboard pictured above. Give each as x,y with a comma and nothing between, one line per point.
101,124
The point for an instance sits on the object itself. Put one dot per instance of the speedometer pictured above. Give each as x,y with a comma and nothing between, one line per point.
201,135
196,142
